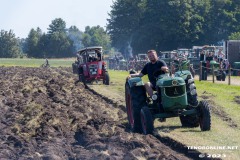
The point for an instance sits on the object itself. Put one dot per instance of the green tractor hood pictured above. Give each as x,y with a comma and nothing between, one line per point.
167,81
173,92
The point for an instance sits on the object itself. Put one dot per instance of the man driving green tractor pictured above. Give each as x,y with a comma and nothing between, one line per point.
170,96
149,69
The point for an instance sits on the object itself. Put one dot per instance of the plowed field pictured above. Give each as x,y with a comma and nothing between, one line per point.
45,114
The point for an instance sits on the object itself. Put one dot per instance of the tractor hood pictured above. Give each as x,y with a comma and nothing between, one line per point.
167,81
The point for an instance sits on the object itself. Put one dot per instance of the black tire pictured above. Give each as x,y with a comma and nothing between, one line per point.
223,76
146,121
218,78
204,116
106,79
135,98
189,121
82,78
192,72
75,68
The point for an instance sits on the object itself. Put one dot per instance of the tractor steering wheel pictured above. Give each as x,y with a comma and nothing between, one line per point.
158,72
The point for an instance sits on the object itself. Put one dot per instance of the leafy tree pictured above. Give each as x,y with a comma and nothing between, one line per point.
166,25
96,36
23,45
58,43
9,46
32,46
234,36
124,22
43,44
57,25
86,40
222,20
76,36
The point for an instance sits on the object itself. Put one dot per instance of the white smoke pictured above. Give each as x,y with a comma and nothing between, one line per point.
129,48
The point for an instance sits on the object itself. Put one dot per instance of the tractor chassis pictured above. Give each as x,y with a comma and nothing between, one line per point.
176,113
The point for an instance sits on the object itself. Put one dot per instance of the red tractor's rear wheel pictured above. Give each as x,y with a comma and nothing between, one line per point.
106,79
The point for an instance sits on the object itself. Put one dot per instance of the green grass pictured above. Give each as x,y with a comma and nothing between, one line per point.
118,79
28,62
224,97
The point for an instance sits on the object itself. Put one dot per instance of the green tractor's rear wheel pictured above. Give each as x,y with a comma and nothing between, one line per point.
190,121
204,116
135,98
146,121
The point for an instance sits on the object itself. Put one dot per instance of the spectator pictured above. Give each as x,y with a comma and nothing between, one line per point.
46,62
220,55
99,55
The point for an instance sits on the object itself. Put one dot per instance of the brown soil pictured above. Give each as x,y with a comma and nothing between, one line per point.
44,114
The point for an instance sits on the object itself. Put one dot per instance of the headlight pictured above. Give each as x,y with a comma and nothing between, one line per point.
190,81
154,97
192,86
193,92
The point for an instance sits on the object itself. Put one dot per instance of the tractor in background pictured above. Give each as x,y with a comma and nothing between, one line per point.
90,65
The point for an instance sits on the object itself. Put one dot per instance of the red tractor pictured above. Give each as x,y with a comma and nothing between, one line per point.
90,65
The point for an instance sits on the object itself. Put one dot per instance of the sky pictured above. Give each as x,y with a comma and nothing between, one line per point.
23,15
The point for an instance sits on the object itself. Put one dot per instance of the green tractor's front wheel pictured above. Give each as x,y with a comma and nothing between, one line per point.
135,98
190,121
204,116
146,121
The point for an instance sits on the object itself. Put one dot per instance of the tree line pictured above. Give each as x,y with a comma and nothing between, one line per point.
58,42
171,24
135,26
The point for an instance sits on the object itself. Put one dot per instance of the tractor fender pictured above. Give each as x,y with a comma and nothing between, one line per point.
136,81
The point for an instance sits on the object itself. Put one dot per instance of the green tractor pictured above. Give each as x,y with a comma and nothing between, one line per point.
220,73
183,64
175,96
